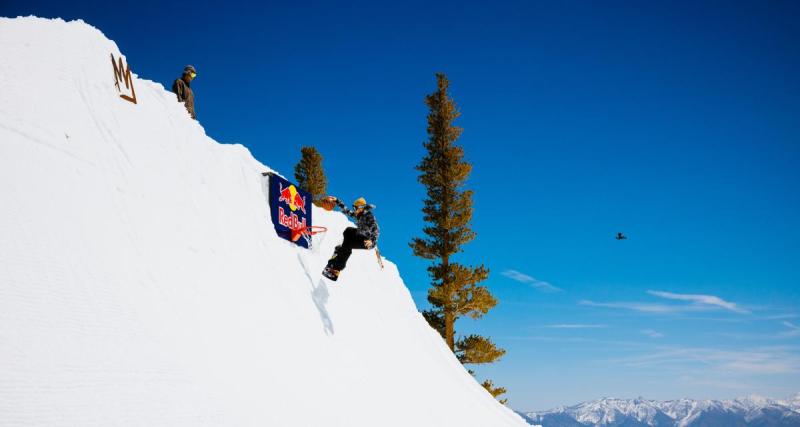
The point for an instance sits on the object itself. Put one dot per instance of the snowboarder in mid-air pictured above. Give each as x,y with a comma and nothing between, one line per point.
621,236
363,236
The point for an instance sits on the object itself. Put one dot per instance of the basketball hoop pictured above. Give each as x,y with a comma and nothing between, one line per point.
314,229
307,232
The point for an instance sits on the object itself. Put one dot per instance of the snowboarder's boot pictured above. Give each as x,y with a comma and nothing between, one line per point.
330,273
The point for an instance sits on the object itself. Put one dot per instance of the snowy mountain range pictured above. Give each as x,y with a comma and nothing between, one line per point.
608,412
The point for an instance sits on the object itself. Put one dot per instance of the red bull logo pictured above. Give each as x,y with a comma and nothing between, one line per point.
290,210
292,197
295,200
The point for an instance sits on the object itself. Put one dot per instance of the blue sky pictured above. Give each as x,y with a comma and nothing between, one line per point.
674,122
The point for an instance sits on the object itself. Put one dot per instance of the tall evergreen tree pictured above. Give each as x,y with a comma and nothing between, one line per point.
309,173
455,291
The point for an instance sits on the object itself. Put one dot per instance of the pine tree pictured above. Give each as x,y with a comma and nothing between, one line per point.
495,391
447,210
476,349
309,174
435,320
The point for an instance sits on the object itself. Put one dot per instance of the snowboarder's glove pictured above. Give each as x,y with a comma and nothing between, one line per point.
328,203
368,244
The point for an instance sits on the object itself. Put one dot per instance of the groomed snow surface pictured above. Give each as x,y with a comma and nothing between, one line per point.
142,284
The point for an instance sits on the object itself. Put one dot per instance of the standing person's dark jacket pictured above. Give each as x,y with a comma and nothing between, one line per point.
185,95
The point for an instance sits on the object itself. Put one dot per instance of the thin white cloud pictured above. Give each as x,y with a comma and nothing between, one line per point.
576,326
716,383
767,366
781,317
576,340
696,303
540,285
701,300
642,307
763,360
652,333
794,330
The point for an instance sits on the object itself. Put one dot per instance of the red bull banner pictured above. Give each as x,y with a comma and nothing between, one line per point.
290,208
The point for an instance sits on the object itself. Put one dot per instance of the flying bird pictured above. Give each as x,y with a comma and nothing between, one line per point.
621,236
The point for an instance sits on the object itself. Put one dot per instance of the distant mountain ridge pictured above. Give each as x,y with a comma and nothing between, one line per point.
608,412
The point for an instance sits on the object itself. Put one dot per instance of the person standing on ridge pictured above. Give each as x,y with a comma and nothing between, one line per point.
182,88
363,236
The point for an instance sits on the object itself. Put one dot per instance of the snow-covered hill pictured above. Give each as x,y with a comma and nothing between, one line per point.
750,411
142,284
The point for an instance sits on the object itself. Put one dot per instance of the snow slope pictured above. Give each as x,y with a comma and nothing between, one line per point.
142,284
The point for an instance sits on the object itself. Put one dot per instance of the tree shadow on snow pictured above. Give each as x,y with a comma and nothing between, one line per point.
319,294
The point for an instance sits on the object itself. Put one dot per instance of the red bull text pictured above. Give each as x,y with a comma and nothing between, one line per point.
291,220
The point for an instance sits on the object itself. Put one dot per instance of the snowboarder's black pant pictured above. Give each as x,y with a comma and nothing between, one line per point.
352,240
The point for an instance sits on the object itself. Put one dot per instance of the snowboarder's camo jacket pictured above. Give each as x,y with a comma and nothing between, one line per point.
367,226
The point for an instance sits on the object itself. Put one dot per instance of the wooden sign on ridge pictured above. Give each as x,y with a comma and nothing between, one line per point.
123,73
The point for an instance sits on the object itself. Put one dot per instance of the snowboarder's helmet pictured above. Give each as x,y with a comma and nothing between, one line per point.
360,203
190,71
